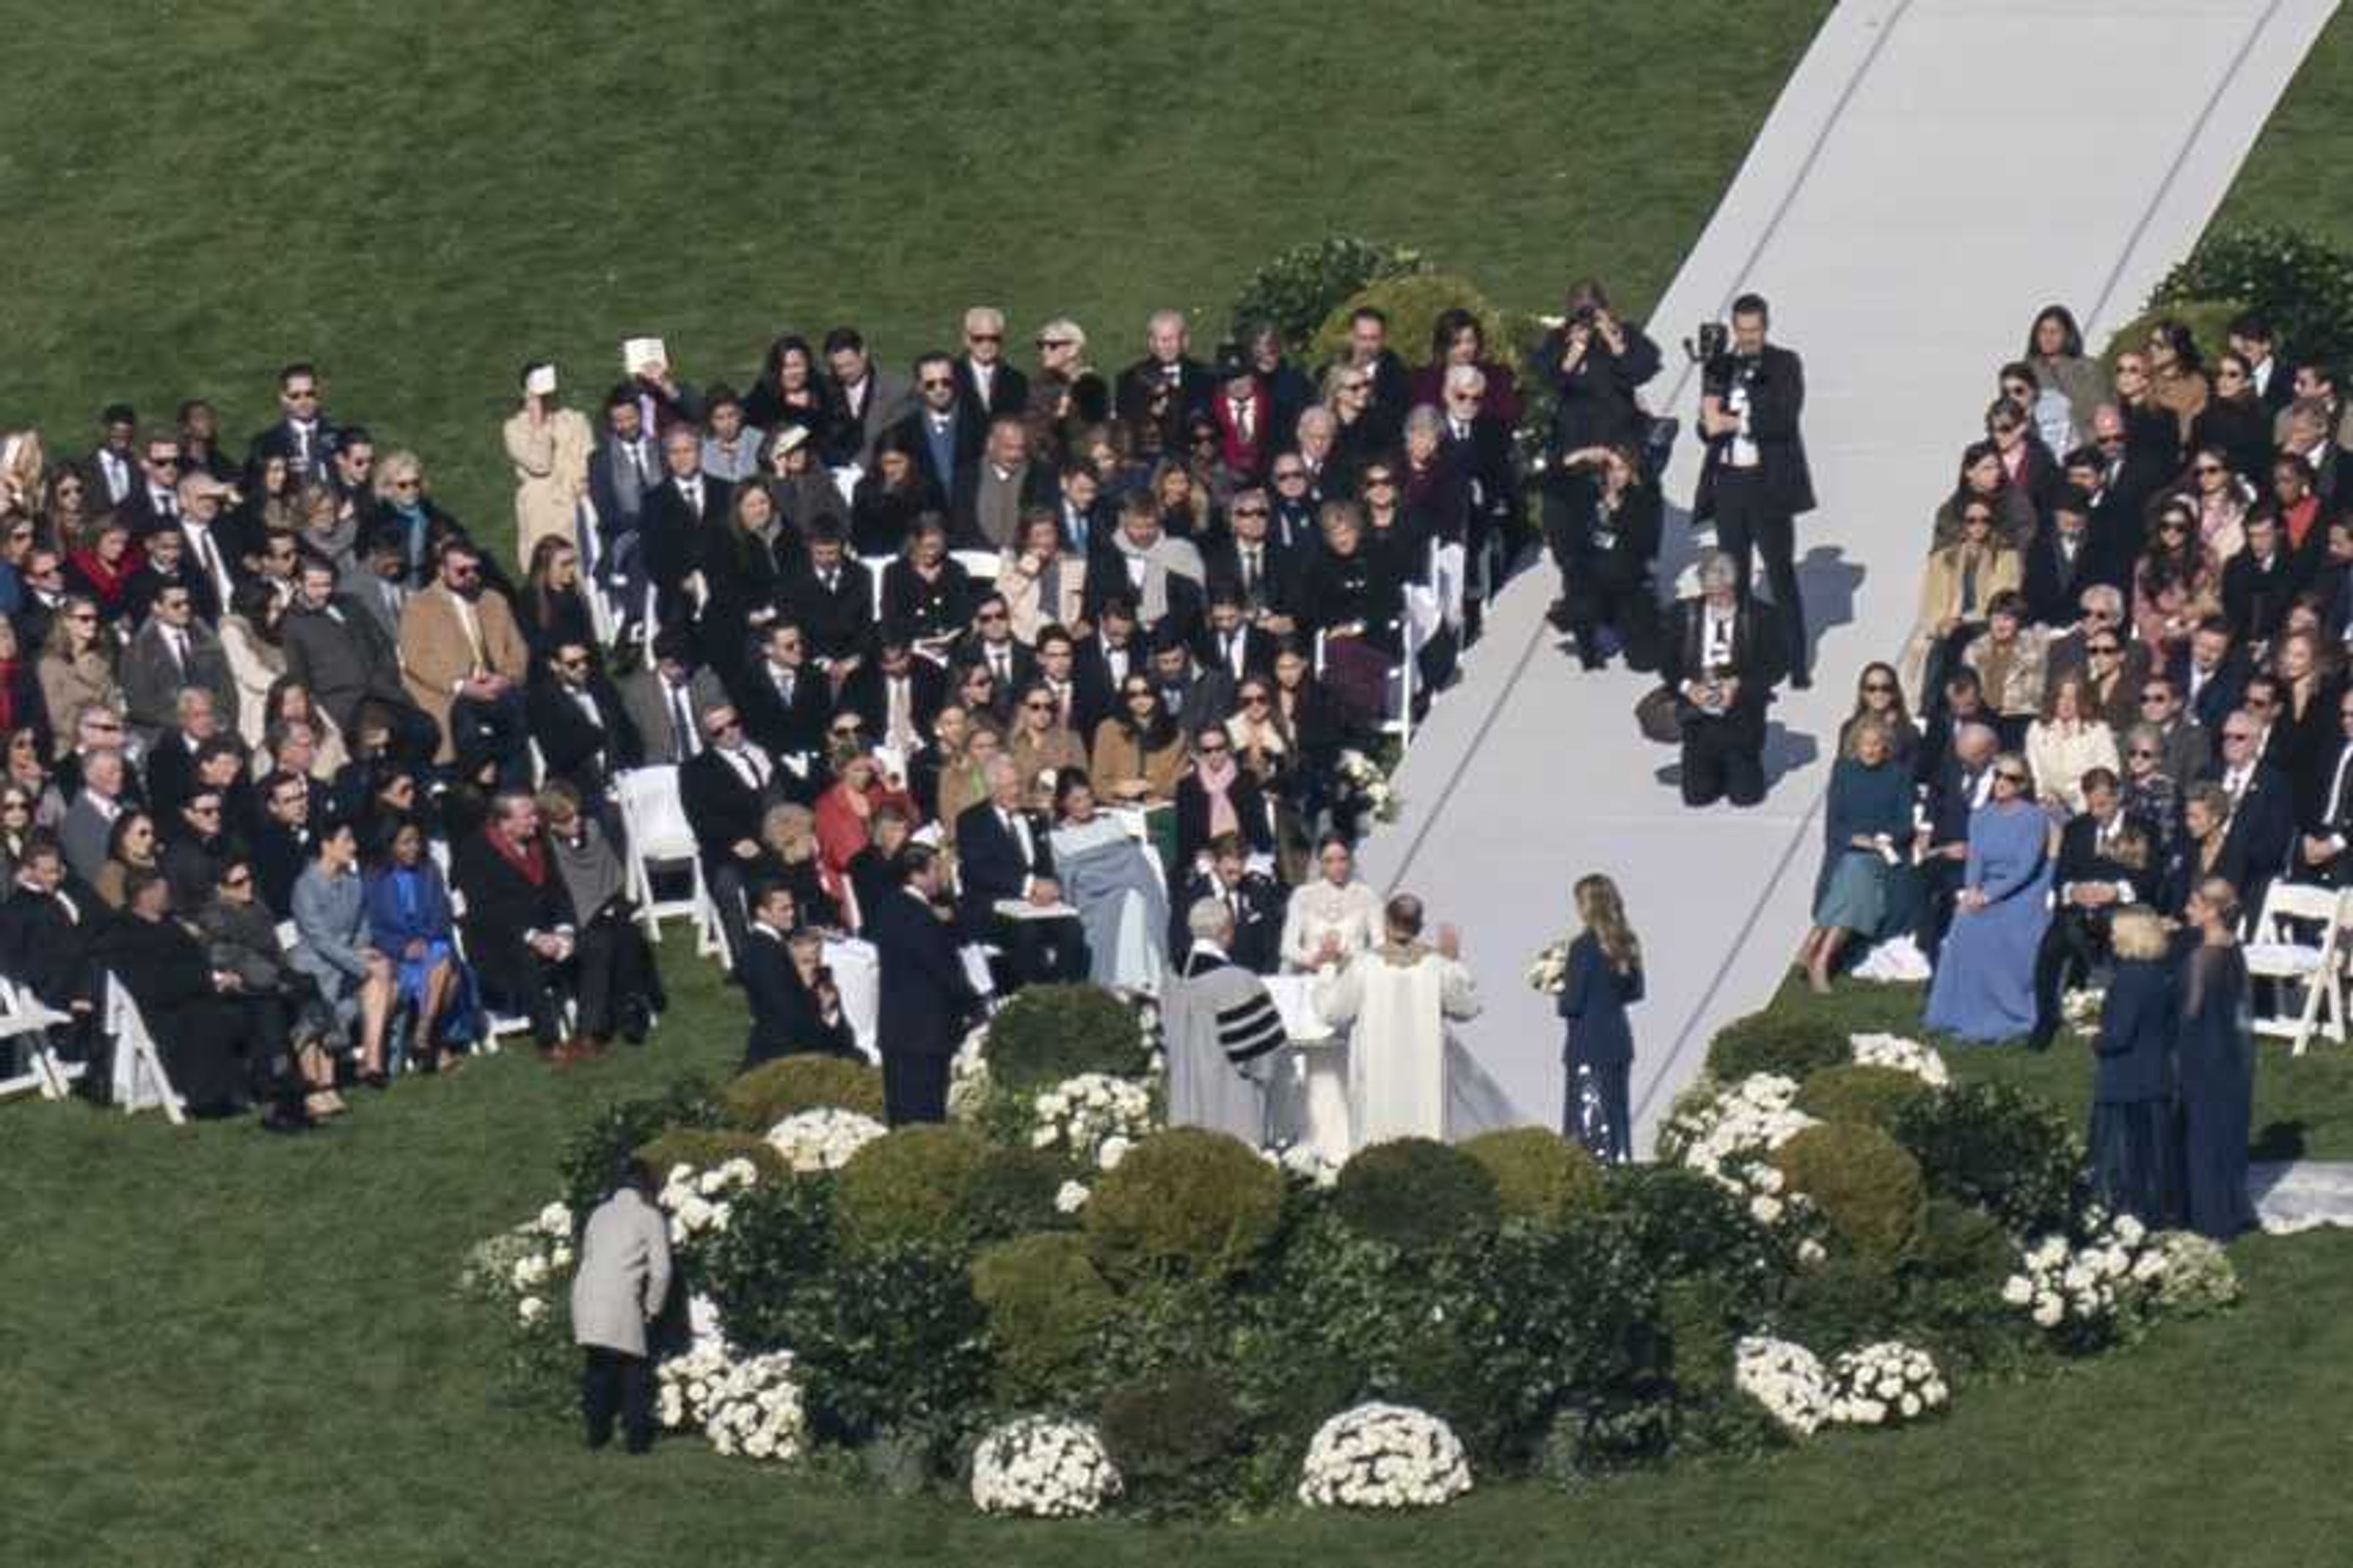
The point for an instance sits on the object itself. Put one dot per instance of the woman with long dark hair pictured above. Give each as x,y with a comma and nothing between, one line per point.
888,500
2176,374
1985,481
1605,978
1457,337
789,390
1138,753
2054,352
2236,424
550,609
2176,585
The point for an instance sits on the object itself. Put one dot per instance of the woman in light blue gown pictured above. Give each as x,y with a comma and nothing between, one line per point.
1984,989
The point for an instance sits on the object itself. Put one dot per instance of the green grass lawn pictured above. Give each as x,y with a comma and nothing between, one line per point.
2289,175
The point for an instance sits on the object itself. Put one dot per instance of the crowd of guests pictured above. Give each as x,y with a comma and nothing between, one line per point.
2130,667
334,791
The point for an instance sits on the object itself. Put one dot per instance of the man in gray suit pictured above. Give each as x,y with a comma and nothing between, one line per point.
339,650
172,652
90,820
623,1276
668,701
867,400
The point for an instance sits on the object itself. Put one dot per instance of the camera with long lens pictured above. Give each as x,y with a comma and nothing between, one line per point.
1709,343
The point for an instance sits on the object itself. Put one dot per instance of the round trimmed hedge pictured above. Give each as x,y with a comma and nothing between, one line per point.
1045,1300
1866,1185
1539,1175
1998,1148
1416,1194
1184,1201
1176,1430
758,1099
706,1148
1770,1042
1048,1033
914,1183
1866,1096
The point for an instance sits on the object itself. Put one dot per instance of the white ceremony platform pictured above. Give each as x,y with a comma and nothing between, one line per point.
1906,213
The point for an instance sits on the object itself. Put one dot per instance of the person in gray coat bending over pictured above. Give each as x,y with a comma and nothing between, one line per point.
1223,1031
623,1276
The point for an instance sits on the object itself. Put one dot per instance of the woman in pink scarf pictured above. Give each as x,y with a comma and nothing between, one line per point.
1217,797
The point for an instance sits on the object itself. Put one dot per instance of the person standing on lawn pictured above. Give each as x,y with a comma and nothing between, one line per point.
622,1278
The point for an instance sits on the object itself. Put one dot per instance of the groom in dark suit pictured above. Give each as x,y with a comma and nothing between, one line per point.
926,999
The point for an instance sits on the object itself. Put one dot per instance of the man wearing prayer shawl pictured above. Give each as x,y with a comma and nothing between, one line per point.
1223,1031
1400,996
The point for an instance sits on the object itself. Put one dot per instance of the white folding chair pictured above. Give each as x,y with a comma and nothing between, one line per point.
604,617
139,1079
2281,954
661,842
25,1020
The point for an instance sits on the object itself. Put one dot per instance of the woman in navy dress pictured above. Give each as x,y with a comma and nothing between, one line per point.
1605,977
2132,1095
2215,1052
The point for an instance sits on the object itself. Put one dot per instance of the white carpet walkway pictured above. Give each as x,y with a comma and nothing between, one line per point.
1920,190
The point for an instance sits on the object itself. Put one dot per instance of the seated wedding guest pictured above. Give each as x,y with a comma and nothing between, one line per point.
1218,796
2184,747
927,595
2111,690
844,814
2304,733
409,923
552,610
332,946
250,637
964,783
130,847
2067,742
1984,481
21,703
2203,851
1354,597
2220,497
2260,582
2214,1063
2132,1149
1253,899
2108,863
1039,741
1333,917
1604,978
1862,890
2259,801
1105,877
1224,1033
619,1289
875,873
1138,753
1604,525
620,989
726,788
1879,698
293,1025
795,1010
2054,352
1984,986
1005,856
189,1007
520,934
75,670
788,857
1043,584
2010,661
2177,584
1261,741
1957,594
2152,796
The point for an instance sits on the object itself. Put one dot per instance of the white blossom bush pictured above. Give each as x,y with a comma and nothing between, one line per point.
696,1201
823,1139
1080,1115
1727,1135
525,1267
2197,1276
1885,1384
1924,1062
2087,1293
1384,1456
1787,1379
1547,972
754,1408
1072,1196
1305,1161
969,1083
1044,1468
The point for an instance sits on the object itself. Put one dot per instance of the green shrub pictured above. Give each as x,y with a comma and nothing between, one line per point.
1865,1183
1954,1292
1866,1096
2209,322
1184,1201
779,1238
1773,1042
1416,1194
1298,288
1045,1301
591,1161
2000,1149
758,1099
1965,1245
890,1337
1013,1193
1177,1436
1413,304
705,1148
2303,287
1847,1301
914,1183
1048,1033
1539,1175
1687,1227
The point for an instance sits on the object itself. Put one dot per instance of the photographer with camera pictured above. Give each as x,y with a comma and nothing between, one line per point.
1722,658
1604,535
1596,365
1755,481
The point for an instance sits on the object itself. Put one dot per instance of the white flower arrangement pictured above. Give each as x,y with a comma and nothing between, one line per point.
1727,1135
2197,1276
823,1139
968,1077
2080,1008
2122,1273
1921,1062
1885,1384
1548,970
1305,1161
1044,1468
1384,1456
750,1406
1787,1379
697,1201
1070,1197
525,1267
1084,1114
1363,776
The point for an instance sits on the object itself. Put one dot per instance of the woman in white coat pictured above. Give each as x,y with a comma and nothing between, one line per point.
623,1276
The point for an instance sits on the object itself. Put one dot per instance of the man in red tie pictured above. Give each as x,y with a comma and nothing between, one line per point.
1244,413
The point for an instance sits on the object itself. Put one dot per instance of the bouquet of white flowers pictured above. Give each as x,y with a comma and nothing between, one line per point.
2086,1293
823,1139
1044,1468
1786,1378
1884,1384
1726,1136
1548,970
2197,1276
1384,1456
755,1409
1364,777
697,1201
1086,1113
1305,1161
968,1079
1921,1062
2080,1008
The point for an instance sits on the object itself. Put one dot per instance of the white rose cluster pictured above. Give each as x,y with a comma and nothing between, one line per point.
1924,1062
1363,775
968,1077
1072,1196
2120,1272
1787,1379
1548,970
1384,1456
1084,1114
1305,1161
525,1265
823,1139
742,1404
1044,1468
2080,1008
1725,1137
697,1201
1885,1384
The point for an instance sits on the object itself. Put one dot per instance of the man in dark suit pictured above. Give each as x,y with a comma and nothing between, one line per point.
2252,340
2105,863
1369,350
303,435
1960,782
2260,583
788,1018
867,400
1722,661
1167,386
1254,901
943,433
622,471
2321,849
675,514
1101,661
2263,809
665,701
1229,644
990,642
1259,569
173,652
726,790
1193,695
927,1000
1080,509
111,474
896,695
167,566
584,734
785,702
340,652
832,597
520,932
44,930
1755,481
1003,856
993,491
2213,679
985,382
2060,562
154,501
1480,445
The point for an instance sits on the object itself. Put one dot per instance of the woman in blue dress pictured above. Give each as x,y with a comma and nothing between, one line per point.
409,920
2132,1092
1984,989
1605,978
2215,1053
1861,892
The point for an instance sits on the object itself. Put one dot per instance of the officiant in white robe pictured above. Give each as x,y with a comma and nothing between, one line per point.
1395,999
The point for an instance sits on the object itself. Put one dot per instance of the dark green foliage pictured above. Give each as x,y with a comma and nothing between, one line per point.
779,1239
1013,1193
1847,1301
1866,1184
1297,289
1866,1095
758,1099
1048,1033
2000,1149
1953,1288
704,1149
1776,1041
1185,1202
1540,1176
914,1185
891,1337
1177,1436
1045,1301
2303,285
591,1160
1416,1194
1686,1227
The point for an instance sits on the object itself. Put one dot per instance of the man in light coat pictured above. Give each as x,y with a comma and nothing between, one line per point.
623,1276
1223,1030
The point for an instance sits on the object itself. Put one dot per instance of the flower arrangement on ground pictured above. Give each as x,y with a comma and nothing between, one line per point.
1044,1468
1787,1379
1384,1456
2088,1291
1726,1134
1921,1062
1884,1384
1364,778
696,1201
1080,1116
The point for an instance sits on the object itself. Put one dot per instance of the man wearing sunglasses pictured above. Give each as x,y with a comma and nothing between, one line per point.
583,728
305,436
942,430
984,379
463,660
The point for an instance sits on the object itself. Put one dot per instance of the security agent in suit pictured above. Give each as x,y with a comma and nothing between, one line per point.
2320,854
1002,855
1756,480
927,1001
671,522
1722,661
2106,864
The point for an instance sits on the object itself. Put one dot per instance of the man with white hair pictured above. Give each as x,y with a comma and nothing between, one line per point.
985,382
1167,385
1224,1033
1721,662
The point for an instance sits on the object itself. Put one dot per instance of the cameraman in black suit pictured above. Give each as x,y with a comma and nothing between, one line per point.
1721,662
1756,480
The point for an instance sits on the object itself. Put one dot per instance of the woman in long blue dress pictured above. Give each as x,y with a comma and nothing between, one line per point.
2132,1140
1605,978
1861,891
410,920
1984,989
2215,1050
